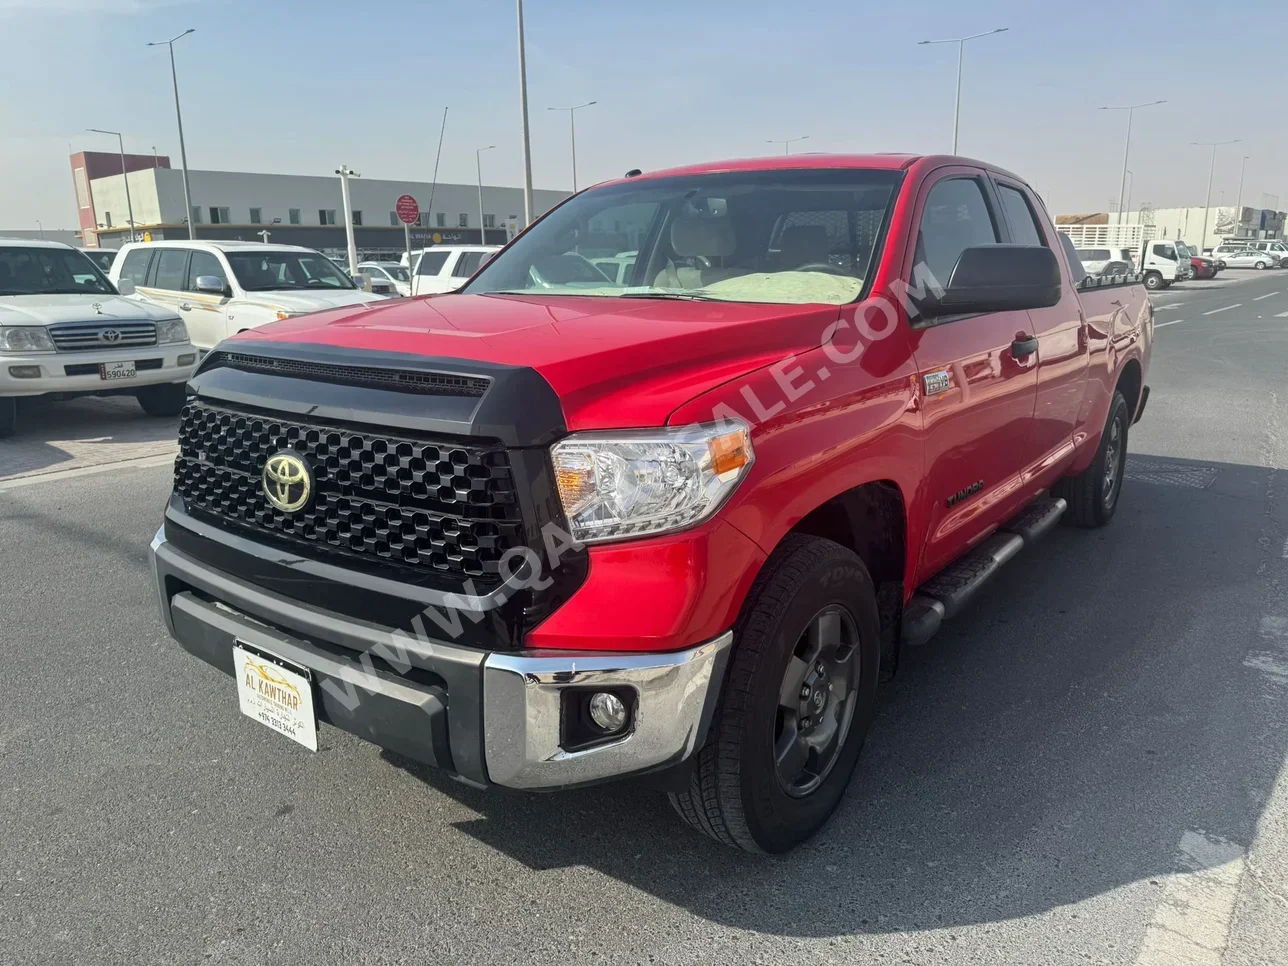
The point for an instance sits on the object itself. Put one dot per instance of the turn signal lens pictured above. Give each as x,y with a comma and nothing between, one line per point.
635,483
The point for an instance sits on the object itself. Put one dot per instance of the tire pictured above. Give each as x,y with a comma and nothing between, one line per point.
8,417
1260,266
1093,494
737,793
164,400
1153,281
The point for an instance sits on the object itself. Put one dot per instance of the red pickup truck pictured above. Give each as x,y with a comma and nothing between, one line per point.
673,520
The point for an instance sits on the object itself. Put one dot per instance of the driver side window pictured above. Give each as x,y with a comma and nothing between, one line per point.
955,217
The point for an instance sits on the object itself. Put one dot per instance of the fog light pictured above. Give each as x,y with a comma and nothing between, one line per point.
607,711
25,372
186,359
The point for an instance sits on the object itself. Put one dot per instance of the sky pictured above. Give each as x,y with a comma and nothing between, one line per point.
288,86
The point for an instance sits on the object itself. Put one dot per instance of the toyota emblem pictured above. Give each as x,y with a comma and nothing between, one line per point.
110,335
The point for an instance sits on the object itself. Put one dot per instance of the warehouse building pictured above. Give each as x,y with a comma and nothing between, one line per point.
287,209
1204,228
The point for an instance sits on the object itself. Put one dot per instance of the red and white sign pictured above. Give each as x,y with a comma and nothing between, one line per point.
408,210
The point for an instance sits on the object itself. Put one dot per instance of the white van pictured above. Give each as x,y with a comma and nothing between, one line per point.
220,288
1096,260
65,331
445,268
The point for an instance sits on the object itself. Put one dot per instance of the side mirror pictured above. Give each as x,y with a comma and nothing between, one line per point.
125,286
211,285
1000,278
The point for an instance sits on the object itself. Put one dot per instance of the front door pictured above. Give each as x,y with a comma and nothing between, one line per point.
205,313
978,396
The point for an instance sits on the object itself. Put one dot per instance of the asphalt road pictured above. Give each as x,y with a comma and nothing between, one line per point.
1086,767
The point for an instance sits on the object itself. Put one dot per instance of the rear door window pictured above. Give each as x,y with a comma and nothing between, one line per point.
956,217
468,264
135,265
431,263
1024,223
170,272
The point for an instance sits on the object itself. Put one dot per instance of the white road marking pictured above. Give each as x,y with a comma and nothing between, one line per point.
1267,296
1164,308
142,461
1286,549
1192,923
1282,315
1227,308
1164,325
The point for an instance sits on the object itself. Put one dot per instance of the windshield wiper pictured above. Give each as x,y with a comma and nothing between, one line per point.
680,296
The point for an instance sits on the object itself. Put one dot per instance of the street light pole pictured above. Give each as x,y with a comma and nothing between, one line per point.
523,107
1131,109
125,176
1131,183
40,228
178,116
961,48
572,128
478,165
1207,203
1238,209
787,142
345,173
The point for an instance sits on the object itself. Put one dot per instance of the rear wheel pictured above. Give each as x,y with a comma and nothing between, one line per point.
797,702
1093,494
8,416
166,400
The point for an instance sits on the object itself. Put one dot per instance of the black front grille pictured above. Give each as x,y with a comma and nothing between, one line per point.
424,505
398,380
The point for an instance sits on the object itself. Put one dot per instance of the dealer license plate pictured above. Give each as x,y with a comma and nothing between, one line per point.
116,370
276,693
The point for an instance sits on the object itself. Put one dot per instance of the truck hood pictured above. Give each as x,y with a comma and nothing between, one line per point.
613,362
297,303
49,309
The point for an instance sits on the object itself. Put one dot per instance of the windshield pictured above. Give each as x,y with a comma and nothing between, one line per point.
267,271
789,236
50,271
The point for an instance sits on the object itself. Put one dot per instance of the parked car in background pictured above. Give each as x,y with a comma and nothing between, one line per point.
618,267
392,273
445,268
1097,260
1201,266
1250,258
675,526
65,331
223,287
101,257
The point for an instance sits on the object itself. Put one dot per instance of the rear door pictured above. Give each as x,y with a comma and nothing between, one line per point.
205,314
1060,331
467,263
978,397
167,276
428,278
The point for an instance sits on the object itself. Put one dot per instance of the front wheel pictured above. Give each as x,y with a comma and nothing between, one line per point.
165,400
1153,281
797,702
1093,494
1259,266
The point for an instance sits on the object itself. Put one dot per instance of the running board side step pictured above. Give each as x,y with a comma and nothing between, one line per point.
945,595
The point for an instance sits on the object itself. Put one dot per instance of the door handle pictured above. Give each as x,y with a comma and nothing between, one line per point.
185,307
1023,348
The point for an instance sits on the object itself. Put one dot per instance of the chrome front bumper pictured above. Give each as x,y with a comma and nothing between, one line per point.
494,718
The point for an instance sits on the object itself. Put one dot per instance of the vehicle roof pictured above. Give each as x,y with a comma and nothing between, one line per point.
219,246
382,262
811,162
32,243
452,248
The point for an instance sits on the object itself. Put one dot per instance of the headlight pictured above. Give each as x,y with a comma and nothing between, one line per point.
282,314
637,482
25,338
170,331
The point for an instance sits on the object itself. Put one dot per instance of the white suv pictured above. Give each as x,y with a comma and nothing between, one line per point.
220,288
445,268
65,331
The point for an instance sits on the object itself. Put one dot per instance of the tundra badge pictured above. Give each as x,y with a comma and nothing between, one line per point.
936,382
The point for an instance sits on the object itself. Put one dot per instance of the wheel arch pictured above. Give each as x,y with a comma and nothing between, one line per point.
1130,383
